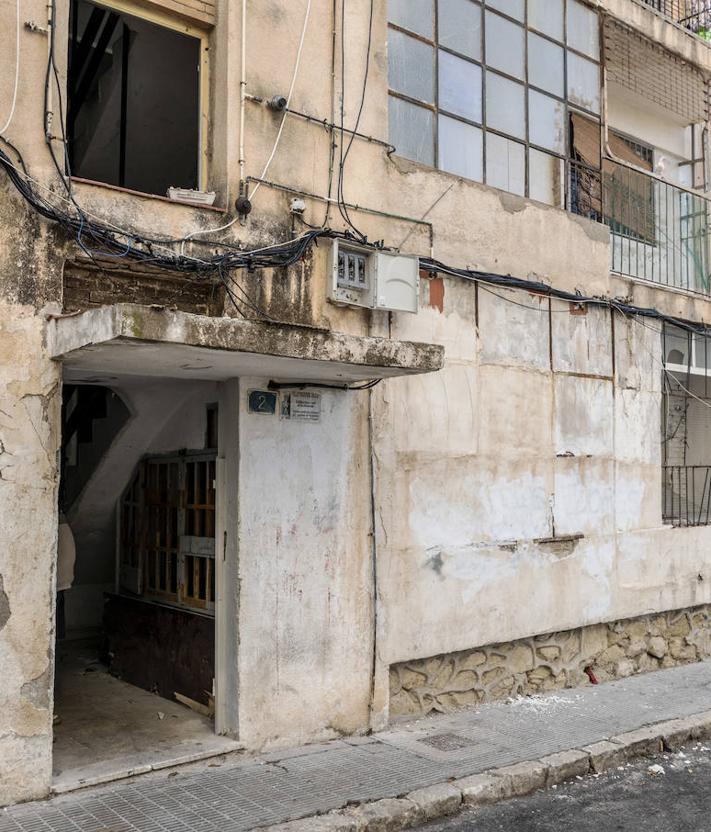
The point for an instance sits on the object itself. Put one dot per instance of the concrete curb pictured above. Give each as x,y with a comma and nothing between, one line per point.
423,805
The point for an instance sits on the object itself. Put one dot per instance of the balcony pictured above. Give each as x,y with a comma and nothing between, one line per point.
659,231
694,15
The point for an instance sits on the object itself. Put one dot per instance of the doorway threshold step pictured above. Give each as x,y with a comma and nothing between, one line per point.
121,768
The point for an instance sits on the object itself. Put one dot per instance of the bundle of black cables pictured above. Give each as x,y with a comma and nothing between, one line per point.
99,239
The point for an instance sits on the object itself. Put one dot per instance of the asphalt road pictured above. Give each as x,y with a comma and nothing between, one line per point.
633,799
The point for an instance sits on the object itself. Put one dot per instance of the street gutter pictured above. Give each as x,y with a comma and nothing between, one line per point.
447,798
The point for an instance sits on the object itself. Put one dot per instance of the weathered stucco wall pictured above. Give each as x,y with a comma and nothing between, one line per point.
305,572
30,280
29,437
531,430
518,491
29,413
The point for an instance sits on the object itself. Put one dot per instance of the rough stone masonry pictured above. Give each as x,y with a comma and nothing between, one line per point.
547,662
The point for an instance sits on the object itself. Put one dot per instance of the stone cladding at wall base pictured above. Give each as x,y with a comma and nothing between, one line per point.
548,662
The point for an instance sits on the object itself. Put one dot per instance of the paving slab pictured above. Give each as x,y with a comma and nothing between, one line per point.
243,792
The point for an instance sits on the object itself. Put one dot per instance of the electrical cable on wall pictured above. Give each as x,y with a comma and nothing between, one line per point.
289,97
332,134
342,207
535,287
280,255
96,237
122,244
50,74
280,131
17,73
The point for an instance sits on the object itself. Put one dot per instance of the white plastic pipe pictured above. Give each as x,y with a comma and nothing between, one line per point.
17,71
243,94
49,115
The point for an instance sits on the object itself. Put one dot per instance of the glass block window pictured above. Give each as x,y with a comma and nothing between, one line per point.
485,89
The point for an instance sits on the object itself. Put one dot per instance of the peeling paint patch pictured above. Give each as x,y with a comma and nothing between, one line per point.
594,230
511,203
4,605
436,562
436,287
560,546
36,691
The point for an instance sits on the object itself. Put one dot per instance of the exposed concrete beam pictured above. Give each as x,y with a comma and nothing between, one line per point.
128,339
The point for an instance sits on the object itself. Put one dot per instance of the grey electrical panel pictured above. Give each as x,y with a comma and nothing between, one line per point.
374,279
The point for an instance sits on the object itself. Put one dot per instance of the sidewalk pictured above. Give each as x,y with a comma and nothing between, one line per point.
243,793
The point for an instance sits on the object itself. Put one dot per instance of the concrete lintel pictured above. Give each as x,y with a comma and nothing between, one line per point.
129,339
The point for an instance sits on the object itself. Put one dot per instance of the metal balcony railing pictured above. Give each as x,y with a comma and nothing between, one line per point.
686,495
694,15
659,231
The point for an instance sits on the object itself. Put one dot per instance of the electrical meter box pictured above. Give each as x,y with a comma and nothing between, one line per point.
374,279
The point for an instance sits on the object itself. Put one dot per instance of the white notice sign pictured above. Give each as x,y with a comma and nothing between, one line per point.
305,406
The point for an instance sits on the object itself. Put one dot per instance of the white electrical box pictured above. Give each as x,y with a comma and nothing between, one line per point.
363,276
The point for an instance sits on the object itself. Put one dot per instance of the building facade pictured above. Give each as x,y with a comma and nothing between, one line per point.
361,346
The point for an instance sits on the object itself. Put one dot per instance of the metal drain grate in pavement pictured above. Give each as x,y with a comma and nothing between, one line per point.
447,742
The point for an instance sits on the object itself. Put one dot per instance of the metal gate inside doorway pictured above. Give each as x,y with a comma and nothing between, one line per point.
167,531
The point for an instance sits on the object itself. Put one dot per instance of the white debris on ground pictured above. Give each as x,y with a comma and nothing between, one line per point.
683,761
542,703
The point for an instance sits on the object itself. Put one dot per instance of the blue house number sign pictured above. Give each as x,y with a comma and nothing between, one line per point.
262,401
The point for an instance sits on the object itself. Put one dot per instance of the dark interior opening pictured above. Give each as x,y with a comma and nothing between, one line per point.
133,116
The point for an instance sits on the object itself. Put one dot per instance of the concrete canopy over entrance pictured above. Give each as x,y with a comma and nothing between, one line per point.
275,479
128,339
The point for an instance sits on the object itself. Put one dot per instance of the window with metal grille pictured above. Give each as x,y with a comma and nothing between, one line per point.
483,89
167,531
686,427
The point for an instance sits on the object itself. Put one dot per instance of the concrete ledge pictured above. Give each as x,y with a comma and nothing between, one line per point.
517,780
140,340
389,815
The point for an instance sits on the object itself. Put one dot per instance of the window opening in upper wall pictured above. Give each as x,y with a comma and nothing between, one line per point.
483,89
585,196
134,100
